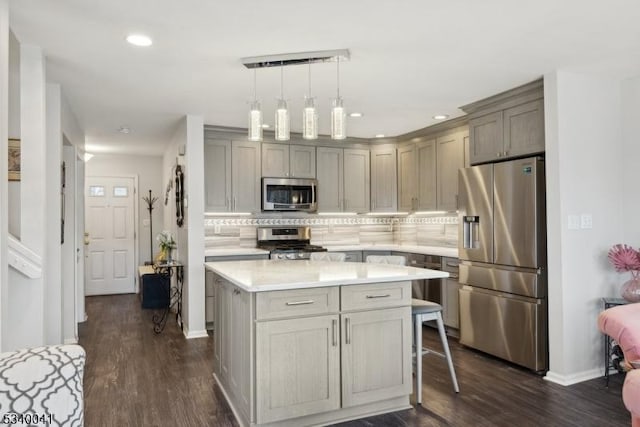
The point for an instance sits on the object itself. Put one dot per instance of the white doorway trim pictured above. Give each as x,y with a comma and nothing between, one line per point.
136,249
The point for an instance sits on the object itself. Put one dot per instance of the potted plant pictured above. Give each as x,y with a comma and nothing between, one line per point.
167,244
627,258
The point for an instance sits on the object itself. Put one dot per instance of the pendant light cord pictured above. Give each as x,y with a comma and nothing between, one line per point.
338,76
281,80
309,78
255,84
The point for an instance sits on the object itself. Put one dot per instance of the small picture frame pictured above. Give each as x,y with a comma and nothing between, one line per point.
14,160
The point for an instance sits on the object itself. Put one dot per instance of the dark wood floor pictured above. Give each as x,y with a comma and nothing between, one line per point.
137,378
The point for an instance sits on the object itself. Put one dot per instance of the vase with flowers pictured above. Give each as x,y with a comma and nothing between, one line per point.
627,258
167,244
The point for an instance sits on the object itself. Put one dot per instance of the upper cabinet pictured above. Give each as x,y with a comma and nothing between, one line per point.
343,179
450,155
507,125
232,176
284,160
384,191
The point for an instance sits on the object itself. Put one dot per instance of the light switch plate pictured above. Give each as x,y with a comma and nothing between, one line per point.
573,222
586,221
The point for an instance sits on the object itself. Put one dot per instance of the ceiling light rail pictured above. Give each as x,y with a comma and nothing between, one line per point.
297,58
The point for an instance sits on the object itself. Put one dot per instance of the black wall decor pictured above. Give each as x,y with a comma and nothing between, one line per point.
179,196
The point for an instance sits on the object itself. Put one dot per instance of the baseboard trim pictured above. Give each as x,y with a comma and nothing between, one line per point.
195,334
71,341
578,377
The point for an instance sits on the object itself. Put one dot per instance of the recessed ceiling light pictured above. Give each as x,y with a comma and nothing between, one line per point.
124,129
355,114
265,126
380,135
441,116
139,40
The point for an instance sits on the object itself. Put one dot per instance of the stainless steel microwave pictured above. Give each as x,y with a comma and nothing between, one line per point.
289,194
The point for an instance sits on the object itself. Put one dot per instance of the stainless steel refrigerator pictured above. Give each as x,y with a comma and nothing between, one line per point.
502,248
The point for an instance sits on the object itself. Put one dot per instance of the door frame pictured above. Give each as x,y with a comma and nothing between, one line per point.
136,215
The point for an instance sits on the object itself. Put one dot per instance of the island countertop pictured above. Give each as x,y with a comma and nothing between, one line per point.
272,275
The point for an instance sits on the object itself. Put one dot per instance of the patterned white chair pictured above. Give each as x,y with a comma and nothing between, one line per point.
328,256
46,382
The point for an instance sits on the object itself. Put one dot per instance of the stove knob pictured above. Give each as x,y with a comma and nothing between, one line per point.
279,256
291,256
300,255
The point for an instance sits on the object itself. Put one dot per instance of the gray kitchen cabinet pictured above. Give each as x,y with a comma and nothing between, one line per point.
450,155
217,175
285,160
407,177
450,303
297,367
384,190
375,363
245,176
343,179
417,174
507,125
232,176
426,199
233,329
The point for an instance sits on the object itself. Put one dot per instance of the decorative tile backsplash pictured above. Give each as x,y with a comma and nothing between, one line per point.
230,232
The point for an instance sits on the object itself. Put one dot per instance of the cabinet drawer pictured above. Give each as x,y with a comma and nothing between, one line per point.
376,295
298,302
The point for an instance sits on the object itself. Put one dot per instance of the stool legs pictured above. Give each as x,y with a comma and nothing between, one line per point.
445,345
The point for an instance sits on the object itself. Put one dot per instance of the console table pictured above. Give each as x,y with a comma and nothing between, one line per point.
608,303
172,294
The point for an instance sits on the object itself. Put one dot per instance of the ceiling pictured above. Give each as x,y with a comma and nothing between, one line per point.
410,59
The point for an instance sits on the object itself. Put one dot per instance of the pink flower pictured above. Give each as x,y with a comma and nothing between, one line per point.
625,258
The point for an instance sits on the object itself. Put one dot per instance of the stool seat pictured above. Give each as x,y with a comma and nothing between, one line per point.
420,306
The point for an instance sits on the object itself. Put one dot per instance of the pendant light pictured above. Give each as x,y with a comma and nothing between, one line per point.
338,114
282,113
255,115
309,114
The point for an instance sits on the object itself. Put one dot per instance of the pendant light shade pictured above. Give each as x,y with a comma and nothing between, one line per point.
282,114
255,116
338,113
309,114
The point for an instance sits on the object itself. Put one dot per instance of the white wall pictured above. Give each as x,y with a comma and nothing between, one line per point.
631,148
4,212
189,136
584,153
14,129
149,172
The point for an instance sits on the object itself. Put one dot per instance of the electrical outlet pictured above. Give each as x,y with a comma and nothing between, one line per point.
586,221
573,222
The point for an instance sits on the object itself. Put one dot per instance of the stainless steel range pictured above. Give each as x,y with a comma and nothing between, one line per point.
287,242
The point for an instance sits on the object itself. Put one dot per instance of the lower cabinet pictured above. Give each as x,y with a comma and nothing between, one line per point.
319,358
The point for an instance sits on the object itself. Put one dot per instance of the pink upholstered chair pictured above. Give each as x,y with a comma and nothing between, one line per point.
622,323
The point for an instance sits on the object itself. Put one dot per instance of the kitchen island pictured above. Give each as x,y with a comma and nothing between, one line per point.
312,343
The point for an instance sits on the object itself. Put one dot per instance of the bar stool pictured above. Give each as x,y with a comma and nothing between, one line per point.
328,256
424,311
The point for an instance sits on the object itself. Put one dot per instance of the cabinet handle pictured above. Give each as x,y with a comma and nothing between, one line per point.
505,154
334,330
378,296
234,203
228,203
309,301
454,276
453,264
347,333
499,154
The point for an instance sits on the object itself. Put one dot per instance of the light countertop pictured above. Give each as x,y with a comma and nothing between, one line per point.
426,250
271,275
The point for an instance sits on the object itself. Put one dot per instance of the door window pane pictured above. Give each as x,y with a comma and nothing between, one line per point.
96,191
120,191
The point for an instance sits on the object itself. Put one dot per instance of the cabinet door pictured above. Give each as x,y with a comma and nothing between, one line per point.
297,367
486,138
450,304
302,161
427,175
356,180
407,178
209,284
384,190
275,160
245,176
239,341
222,348
330,179
376,355
524,129
450,154
217,175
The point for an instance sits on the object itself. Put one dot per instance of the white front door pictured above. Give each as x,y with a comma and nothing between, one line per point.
110,215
